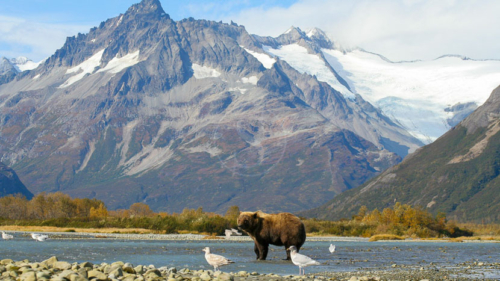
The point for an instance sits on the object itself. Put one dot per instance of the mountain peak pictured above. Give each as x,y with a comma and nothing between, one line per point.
6,66
20,60
319,37
316,32
146,7
293,31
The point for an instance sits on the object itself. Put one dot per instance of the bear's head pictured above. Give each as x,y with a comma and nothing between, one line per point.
248,221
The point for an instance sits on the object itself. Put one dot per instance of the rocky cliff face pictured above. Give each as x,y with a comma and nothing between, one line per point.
7,71
10,183
184,114
457,174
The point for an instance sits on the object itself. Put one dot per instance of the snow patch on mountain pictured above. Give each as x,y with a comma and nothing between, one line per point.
265,59
238,89
250,80
118,64
416,94
84,68
201,72
298,57
23,63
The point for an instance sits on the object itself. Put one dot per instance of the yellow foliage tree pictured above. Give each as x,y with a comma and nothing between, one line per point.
100,212
140,210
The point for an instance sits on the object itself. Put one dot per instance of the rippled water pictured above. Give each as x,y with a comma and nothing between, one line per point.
348,256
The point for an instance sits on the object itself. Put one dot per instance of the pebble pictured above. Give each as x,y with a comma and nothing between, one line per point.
54,270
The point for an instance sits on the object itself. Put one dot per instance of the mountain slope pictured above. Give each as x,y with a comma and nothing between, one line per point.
304,52
426,97
10,183
182,114
457,174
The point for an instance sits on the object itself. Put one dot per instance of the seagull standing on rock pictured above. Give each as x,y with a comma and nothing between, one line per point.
301,260
6,236
215,260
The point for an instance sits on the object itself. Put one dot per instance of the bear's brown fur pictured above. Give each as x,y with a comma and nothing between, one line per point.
283,229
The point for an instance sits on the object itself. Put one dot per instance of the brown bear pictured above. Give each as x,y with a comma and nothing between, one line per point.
283,229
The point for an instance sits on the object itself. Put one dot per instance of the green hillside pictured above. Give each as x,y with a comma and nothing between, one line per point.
457,175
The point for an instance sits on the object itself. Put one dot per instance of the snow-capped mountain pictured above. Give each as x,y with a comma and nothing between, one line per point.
427,98
190,113
18,64
303,51
194,113
9,68
24,63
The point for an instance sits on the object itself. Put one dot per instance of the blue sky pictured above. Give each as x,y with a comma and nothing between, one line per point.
397,29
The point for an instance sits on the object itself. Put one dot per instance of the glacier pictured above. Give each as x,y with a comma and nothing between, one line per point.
417,94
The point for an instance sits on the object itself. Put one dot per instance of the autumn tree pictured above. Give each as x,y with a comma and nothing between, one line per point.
232,215
100,212
140,210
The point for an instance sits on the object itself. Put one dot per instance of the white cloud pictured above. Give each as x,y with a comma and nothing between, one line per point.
400,30
35,40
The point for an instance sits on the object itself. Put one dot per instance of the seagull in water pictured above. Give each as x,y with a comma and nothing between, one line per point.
6,236
39,237
215,260
332,248
301,260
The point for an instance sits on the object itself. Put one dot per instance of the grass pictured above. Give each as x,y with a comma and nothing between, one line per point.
65,229
385,237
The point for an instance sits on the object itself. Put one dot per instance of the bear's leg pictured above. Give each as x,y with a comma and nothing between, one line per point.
256,250
263,251
287,254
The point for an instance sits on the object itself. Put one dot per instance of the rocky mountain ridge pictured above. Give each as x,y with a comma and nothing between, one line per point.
183,114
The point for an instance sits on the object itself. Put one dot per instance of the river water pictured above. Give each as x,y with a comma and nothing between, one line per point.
349,256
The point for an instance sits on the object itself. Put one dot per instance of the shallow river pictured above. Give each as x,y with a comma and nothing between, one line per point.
349,256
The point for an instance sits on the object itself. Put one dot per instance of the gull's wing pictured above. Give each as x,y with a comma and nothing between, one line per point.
214,259
302,260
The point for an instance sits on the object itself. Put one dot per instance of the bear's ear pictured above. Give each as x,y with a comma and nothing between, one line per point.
254,216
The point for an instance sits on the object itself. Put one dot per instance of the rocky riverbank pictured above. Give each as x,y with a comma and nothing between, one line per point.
54,270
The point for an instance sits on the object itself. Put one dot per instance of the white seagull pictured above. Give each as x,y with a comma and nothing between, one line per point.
39,237
232,232
301,260
6,236
332,248
215,260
